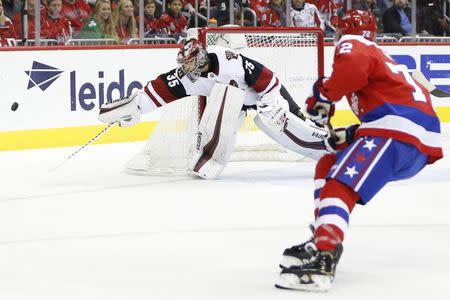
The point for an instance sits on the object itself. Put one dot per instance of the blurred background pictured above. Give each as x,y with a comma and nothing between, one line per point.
99,22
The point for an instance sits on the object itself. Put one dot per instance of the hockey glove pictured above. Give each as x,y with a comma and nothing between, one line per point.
341,138
124,111
319,108
272,110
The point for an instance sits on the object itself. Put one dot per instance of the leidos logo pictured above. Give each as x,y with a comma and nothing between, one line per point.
42,75
84,94
88,95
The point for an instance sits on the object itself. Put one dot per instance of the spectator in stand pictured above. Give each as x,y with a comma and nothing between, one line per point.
305,15
100,24
30,20
328,13
150,22
11,8
77,11
430,18
260,7
397,18
7,32
124,21
223,13
276,15
189,8
172,21
370,5
54,25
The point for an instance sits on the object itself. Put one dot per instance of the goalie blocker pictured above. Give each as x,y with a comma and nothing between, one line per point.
223,117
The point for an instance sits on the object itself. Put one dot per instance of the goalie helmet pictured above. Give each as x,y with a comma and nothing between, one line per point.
358,22
192,58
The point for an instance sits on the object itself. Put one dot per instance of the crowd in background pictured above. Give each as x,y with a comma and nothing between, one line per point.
118,20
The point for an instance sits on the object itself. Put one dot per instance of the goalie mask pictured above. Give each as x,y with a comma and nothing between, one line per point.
192,58
358,22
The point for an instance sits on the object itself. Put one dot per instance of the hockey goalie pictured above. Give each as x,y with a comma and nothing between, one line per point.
232,83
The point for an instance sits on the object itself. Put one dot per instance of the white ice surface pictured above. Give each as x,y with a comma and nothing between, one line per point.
90,231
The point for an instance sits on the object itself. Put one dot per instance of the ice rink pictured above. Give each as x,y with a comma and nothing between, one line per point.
90,231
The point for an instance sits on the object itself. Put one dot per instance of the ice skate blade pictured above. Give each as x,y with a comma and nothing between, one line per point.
320,283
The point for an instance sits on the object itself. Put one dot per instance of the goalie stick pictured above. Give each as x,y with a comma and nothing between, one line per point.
417,75
105,130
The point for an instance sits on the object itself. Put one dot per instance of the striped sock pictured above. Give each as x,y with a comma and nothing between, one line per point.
336,203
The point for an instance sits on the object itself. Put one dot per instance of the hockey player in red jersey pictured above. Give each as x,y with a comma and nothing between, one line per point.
398,136
199,70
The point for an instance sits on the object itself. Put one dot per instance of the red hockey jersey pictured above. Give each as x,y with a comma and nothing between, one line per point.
58,29
150,24
170,24
383,95
77,13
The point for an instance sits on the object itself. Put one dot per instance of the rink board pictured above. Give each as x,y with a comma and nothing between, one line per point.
59,91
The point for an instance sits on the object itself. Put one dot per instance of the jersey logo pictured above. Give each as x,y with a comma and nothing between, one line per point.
230,55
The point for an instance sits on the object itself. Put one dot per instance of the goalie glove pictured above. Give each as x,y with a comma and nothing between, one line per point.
341,138
319,108
124,111
272,109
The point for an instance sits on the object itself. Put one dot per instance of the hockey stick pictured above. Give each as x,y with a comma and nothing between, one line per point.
105,130
417,75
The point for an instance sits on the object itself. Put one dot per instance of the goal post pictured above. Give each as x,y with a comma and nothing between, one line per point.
295,55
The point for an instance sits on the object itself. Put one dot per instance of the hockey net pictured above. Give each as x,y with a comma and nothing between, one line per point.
296,57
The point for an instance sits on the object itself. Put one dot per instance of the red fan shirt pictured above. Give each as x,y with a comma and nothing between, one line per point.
170,24
76,12
150,24
7,33
58,29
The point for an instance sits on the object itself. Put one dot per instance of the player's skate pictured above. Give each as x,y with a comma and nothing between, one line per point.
125,111
317,275
300,254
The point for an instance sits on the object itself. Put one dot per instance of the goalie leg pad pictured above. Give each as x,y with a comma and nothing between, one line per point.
218,127
302,137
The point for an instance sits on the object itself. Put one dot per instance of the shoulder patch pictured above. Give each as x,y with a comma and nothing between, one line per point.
230,55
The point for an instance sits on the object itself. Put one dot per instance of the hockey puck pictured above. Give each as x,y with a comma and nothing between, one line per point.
14,106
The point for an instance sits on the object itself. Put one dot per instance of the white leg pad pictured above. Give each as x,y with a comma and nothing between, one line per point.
302,137
218,127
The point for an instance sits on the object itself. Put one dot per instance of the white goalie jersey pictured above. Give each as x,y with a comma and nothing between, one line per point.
225,66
